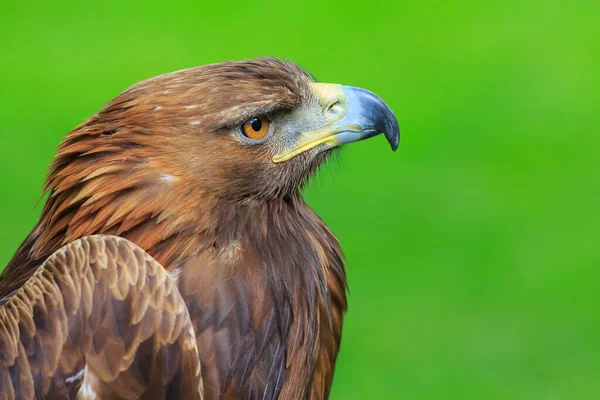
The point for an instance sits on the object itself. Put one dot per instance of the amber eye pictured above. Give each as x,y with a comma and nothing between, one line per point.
256,128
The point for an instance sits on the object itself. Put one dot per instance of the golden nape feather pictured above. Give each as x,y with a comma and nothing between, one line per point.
175,256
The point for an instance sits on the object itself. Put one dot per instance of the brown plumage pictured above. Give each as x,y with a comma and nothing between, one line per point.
255,283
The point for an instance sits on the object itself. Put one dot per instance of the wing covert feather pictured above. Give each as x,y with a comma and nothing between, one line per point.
99,319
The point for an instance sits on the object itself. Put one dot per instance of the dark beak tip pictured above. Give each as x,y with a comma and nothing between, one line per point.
388,123
392,133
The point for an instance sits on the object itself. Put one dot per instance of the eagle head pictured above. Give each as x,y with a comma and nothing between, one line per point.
199,151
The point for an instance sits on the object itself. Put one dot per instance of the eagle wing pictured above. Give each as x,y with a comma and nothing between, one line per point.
99,319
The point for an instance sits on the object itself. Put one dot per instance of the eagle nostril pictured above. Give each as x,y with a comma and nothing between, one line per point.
334,111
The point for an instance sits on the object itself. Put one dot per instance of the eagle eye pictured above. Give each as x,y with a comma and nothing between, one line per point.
256,128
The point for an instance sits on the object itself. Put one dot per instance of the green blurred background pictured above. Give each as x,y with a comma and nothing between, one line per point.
473,253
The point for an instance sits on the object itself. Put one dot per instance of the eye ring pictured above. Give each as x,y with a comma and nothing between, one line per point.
256,128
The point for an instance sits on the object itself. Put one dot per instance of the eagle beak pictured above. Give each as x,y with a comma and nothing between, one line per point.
352,114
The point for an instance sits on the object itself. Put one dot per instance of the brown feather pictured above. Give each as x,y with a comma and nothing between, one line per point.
69,328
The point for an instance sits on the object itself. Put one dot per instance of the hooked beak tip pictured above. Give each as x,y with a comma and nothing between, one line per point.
375,114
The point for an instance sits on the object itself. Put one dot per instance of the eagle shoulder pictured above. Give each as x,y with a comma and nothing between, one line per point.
99,318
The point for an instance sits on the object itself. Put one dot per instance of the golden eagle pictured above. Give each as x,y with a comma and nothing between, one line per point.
175,256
